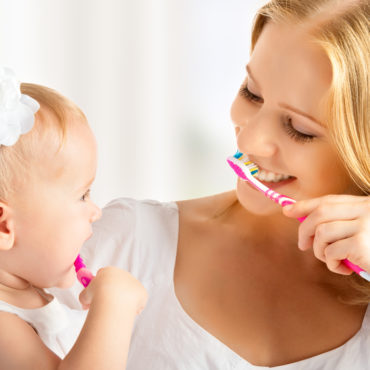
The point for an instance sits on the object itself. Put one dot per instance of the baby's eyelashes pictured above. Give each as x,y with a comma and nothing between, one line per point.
86,195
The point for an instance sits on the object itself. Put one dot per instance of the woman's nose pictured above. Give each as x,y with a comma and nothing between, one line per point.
256,137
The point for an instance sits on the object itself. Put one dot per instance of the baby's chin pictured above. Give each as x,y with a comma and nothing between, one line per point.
67,281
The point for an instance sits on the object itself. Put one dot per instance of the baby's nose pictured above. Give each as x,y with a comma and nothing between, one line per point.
96,214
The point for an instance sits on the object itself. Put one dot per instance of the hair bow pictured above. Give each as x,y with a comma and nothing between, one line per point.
16,109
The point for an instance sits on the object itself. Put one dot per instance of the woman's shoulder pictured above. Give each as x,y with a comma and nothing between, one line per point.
131,231
124,209
124,213
206,207
127,205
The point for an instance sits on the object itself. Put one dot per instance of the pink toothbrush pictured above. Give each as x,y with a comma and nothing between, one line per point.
84,276
246,170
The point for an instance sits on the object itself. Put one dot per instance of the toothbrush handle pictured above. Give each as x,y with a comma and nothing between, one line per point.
84,276
280,199
284,201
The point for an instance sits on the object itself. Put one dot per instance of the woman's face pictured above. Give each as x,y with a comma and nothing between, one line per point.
279,121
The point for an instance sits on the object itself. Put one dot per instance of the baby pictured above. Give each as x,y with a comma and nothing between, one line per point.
47,165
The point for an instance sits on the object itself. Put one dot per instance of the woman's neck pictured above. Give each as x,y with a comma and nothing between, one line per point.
270,230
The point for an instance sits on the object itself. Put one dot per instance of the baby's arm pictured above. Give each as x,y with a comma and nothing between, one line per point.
114,298
21,347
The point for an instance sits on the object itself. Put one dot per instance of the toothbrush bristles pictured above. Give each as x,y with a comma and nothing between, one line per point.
253,168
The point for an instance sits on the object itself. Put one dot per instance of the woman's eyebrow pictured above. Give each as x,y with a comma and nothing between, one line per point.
297,111
283,105
250,75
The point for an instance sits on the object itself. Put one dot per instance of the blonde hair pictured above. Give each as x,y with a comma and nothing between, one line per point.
51,125
341,28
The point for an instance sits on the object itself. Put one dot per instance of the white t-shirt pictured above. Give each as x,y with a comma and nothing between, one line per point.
57,325
141,237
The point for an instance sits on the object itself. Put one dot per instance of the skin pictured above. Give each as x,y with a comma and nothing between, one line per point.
59,185
41,232
239,272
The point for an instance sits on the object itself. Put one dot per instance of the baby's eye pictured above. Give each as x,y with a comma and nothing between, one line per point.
245,92
86,195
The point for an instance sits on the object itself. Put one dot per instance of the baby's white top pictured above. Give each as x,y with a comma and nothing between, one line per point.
57,325
141,236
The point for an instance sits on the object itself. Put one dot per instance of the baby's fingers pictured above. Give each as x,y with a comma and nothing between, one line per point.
86,296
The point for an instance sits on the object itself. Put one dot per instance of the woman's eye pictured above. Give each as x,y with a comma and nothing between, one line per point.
245,92
287,123
294,134
86,195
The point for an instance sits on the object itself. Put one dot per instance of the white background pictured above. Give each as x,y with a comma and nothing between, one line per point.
155,78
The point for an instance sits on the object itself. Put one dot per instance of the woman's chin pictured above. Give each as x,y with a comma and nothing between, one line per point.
254,201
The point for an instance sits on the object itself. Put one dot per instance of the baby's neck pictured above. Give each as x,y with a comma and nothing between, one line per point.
12,282
21,293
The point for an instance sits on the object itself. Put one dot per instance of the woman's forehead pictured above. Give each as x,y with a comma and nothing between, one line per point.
290,66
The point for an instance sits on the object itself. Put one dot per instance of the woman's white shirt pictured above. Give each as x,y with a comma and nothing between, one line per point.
141,237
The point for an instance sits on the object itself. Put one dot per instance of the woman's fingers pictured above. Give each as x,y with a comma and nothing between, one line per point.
346,249
326,209
329,233
305,207
337,227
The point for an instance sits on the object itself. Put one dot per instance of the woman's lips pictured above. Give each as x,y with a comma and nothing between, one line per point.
273,185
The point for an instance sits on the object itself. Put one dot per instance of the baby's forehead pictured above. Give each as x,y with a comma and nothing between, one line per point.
54,137
69,164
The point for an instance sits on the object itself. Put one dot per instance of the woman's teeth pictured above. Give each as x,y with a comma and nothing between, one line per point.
268,176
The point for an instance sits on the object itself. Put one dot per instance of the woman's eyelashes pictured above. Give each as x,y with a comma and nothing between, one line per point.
245,92
286,122
295,134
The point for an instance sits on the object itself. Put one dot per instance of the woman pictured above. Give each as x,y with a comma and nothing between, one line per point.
234,281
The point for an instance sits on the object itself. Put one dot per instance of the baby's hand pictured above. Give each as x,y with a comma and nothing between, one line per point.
337,227
115,286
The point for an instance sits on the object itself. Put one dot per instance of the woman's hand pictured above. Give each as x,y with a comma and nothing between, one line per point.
337,227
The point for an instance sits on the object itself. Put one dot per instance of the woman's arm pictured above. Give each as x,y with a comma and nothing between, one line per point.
337,227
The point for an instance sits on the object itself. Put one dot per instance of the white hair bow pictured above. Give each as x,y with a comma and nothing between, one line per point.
16,109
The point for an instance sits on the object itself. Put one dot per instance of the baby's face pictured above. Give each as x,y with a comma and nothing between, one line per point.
279,118
54,213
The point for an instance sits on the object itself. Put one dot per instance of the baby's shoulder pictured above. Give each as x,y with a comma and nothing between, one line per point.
20,343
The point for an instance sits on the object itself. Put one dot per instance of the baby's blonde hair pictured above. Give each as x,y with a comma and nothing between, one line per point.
51,125
341,28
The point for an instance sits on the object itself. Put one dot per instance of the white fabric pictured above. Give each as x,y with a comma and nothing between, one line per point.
57,325
141,236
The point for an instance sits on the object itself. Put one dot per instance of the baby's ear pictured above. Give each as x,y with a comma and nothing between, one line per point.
6,227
